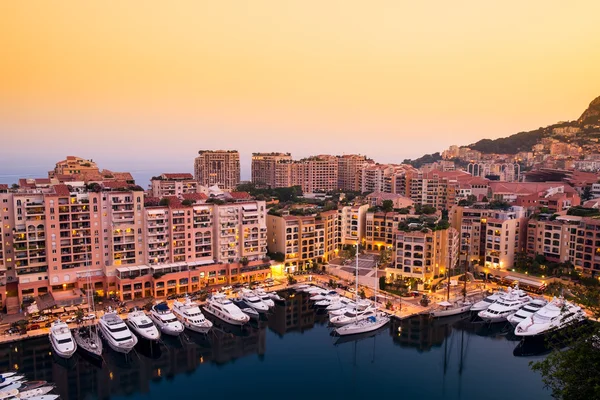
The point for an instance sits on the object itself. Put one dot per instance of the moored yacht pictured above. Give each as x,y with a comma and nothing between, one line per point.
506,305
165,320
224,309
322,295
142,325
369,324
265,297
339,304
527,310
188,312
62,339
352,315
446,308
557,314
116,333
252,300
487,301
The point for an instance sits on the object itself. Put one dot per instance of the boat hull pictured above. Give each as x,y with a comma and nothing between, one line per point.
364,326
226,318
450,312
197,328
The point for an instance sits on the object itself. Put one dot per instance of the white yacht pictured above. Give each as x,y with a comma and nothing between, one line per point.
487,301
368,324
45,397
328,300
527,310
322,295
352,315
5,382
32,393
9,394
275,297
223,308
557,314
265,297
506,305
340,303
142,325
446,309
188,312
252,300
165,320
62,339
116,333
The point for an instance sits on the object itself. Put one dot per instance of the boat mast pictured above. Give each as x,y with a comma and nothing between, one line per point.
448,286
465,289
356,271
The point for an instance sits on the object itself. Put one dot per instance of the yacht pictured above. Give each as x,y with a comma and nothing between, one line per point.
188,312
142,325
31,393
88,341
45,397
368,324
5,375
527,310
252,300
506,305
557,314
221,307
352,315
340,303
322,295
446,309
275,297
265,297
9,394
4,382
487,301
329,300
165,320
62,339
116,333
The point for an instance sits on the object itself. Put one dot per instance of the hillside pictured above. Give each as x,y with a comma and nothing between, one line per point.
591,116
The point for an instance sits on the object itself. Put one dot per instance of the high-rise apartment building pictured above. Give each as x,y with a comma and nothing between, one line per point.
219,167
265,169
349,171
352,224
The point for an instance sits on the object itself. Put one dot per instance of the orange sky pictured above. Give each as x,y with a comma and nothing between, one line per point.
391,79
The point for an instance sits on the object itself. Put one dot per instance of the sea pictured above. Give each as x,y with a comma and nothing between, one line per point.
292,354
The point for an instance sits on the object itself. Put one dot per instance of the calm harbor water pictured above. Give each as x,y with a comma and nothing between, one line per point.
293,355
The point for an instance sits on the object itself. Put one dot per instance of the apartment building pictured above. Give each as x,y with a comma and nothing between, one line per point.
303,240
424,254
549,238
73,166
349,171
173,184
265,169
380,229
373,177
352,224
584,249
219,167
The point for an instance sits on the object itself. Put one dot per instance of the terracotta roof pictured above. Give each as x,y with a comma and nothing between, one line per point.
61,190
115,184
174,202
3,186
151,200
182,175
524,188
194,196
240,195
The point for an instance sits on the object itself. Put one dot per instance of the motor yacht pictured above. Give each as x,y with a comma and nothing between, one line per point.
265,297
9,394
252,300
116,333
340,303
527,310
322,295
352,315
557,314
251,312
221,307
487,301
189,314
5,375
142,325
506,305
45,397
4,382
165,320
62,339
13,386
369,324
276,297
446,308
28,394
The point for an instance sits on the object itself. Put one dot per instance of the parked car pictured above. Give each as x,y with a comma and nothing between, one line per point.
70,320
88,317
226,288
47,324
33,327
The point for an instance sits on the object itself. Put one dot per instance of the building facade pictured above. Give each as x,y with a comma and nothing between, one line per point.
264,169
219,167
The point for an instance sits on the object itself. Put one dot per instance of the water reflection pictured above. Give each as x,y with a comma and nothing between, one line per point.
81,379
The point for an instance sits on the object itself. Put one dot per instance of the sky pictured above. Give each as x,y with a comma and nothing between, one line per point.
142,86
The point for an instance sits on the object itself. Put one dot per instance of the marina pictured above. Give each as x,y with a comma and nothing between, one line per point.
424,357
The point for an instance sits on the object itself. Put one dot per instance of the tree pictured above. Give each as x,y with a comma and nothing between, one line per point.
164,202
586,194
387,205
362,293
382,283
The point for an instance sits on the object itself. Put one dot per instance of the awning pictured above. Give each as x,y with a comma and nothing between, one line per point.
32,309
84,306
70,309
524,281
58,311
45,301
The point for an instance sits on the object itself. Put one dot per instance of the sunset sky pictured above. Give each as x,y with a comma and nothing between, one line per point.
141,86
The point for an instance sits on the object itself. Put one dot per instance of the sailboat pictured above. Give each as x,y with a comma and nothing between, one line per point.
87,337
369,324
446,308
